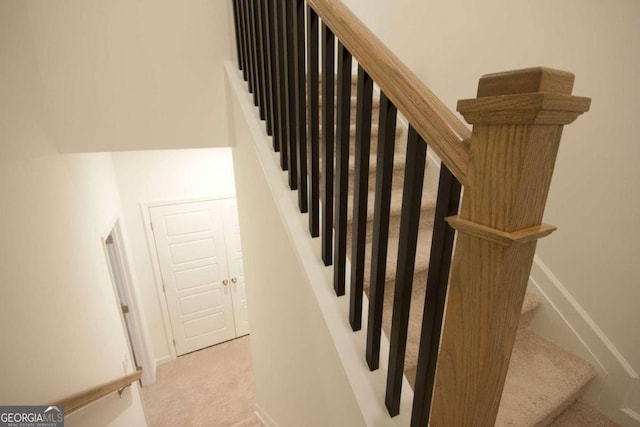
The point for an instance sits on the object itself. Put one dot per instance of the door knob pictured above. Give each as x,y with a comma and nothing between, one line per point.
225,282
234,280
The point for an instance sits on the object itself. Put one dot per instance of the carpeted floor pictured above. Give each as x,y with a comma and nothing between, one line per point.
212,387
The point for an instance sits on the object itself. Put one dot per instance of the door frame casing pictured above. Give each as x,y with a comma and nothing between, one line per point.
138,335
145,209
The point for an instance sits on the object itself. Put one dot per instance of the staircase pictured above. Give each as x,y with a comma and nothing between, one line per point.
459,356
543,380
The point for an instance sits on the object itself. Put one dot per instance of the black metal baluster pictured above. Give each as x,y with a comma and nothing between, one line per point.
266,62
243,39
313,95
409,223
384,177
328,64
300,103
255,63
238,32
288,12
448,201
273,74
256,55
260,59
342,163
361,190
278,36
247,45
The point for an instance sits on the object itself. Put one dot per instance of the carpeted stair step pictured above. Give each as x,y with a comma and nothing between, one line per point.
428,205
399,162
580,414
374,137
375,112
423,249
375,102
529,306
354,84
424,232
354,77
543,380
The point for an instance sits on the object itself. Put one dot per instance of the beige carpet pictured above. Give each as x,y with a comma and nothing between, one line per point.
582,415
211,387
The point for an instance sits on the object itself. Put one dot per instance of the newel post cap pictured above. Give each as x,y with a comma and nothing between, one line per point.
529,96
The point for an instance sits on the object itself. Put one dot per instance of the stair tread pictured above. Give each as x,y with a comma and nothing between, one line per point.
529,306
423,249
375,102
581,414
374,130
399,161
531,303
417,305
542,381
428,204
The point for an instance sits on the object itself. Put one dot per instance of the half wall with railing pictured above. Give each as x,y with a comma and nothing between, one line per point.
297,57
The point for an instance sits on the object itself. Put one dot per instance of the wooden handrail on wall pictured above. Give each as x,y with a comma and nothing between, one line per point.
445,133
79,400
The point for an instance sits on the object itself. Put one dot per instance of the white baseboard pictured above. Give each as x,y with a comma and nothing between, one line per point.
562,320
163,360
264,418
631,414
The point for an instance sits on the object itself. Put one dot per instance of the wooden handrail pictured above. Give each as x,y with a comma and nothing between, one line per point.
438,125
79,400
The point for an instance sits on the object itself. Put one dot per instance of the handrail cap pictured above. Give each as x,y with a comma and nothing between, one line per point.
528,80
527,108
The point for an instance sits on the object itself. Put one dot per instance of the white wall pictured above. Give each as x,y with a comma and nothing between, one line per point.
122,75
594,198
61,329
160,176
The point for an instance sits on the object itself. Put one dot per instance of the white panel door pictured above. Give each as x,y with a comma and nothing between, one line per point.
236,270
191,250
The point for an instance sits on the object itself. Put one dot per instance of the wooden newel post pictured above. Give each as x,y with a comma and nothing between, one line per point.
517,123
